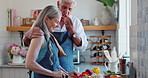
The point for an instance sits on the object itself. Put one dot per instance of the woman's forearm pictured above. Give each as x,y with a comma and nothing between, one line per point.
35,67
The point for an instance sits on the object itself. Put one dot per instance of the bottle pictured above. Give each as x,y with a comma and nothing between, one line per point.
100,47
96,54
27,20
96,48
106,46
96,21
18,21
104,41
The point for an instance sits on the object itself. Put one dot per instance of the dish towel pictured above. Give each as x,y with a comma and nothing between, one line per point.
61,51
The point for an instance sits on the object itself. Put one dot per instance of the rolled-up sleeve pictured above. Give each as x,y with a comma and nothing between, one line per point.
81,34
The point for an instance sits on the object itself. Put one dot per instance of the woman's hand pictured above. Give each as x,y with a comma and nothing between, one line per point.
74,74
59,74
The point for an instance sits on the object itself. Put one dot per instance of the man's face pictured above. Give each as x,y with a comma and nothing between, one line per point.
66,8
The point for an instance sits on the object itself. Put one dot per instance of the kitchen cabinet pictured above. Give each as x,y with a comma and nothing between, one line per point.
13,71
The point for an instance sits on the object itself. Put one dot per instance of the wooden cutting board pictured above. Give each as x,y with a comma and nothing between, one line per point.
16,64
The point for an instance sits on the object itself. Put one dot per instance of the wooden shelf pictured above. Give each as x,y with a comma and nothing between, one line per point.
97,63
100,50
102,56
26,28
100,36
18,28
100,43
101,27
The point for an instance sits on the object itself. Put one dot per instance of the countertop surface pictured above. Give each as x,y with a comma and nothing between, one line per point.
10,65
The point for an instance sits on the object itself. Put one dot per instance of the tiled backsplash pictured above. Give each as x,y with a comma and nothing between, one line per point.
139,40
14,37
7,38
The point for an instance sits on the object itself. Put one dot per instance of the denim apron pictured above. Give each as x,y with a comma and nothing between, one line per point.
44,59
66,43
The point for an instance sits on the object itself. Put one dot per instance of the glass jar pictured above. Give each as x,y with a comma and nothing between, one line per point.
18,20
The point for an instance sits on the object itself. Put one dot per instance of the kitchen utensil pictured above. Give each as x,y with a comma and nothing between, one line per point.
114,54
106,52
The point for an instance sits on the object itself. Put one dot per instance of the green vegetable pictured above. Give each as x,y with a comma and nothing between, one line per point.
112,73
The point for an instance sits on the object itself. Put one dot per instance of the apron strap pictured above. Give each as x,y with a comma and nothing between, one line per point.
61,51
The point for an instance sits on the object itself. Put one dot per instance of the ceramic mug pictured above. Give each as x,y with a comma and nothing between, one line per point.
112,66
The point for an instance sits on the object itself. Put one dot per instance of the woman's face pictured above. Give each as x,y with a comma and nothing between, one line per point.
53,23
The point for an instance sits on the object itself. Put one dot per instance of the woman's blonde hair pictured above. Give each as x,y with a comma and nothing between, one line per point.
50,11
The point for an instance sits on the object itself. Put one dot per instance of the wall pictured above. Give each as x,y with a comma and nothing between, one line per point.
83,9
139,37
5,37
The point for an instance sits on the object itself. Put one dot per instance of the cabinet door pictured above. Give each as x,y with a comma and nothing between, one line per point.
13,73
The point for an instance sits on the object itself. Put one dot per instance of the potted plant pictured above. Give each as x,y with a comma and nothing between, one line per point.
107,2
106,16
17,53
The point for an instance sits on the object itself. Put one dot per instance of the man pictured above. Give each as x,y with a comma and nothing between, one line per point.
70,34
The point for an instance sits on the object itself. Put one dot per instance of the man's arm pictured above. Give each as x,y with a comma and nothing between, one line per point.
70,28
76,30
34,32
77,40
81,35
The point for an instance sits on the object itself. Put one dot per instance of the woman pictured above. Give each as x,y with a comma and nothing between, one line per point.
42,57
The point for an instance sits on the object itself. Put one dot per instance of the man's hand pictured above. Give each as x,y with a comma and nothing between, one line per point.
70,28
32,33
69,25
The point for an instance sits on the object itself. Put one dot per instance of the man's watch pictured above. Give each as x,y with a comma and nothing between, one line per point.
74,35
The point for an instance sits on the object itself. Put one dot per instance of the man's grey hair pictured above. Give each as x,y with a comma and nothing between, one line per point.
70,1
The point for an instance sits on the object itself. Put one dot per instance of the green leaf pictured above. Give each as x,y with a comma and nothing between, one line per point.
108,71
10,55
107,2
20,47
9,49
99,0
110,2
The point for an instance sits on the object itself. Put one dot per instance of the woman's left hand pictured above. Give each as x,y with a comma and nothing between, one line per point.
73,74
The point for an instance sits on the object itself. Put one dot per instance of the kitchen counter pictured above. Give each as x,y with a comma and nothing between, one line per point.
12,66
13,71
